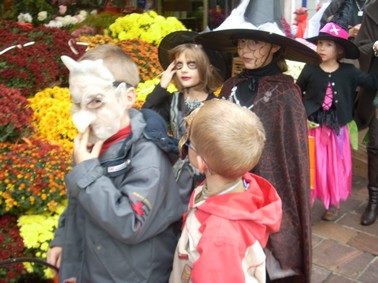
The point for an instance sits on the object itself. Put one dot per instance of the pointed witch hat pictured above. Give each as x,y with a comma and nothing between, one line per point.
257,20
219,60
337,31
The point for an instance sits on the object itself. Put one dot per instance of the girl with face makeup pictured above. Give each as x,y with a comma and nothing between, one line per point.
188,67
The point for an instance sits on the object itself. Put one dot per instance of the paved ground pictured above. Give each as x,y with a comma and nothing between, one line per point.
345,251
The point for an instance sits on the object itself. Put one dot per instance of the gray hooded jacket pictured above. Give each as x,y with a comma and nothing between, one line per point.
121,225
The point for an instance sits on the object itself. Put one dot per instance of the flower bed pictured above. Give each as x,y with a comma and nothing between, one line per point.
32,176
144,55
15,115
11,246
36,66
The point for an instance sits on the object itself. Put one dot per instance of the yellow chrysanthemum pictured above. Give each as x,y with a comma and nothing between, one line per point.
53,104
145,88
37,231
148,26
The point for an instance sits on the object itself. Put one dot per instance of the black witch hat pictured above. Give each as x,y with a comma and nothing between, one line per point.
220,61
257,20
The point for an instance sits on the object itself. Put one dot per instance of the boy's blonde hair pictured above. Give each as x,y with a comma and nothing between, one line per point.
210,77
229,137
117,61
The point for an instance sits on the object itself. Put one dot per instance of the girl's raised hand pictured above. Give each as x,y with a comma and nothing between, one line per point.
167,75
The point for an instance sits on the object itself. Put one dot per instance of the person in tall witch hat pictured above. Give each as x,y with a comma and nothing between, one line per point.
329,92
253,30
195,72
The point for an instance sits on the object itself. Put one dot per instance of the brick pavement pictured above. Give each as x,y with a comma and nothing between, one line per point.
343,250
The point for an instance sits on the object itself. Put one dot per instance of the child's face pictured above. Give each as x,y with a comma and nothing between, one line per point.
98,105
187,71
327,49
255,54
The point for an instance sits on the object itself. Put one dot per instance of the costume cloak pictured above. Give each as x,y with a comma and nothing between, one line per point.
285,163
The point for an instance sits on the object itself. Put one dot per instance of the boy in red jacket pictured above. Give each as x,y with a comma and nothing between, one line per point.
233,212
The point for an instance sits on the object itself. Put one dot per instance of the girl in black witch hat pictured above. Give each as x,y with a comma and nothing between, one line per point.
254,31
187,65
329,92
196,73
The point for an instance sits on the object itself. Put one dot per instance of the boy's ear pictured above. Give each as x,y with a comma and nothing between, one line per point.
126,95
130,97
201,164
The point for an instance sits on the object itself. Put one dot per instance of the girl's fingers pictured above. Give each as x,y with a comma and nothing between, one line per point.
171,66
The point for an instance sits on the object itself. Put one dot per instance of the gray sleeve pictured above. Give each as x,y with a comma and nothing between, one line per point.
59,231
129,208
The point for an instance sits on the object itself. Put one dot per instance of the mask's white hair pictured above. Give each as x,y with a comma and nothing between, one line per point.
88,67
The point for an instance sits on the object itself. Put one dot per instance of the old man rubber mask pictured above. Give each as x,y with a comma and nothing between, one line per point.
97,101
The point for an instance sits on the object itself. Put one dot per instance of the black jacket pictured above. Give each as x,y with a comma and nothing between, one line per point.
354,17
313,82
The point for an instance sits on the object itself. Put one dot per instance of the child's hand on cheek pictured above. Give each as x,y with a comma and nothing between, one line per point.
167,75
83,150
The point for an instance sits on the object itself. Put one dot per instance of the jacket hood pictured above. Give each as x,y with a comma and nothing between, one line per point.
258,210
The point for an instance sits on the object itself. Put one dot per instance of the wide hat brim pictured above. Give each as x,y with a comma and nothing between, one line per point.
351,50
170,41
224,40
218,60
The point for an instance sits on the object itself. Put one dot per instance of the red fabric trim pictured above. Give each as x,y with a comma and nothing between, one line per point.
121,134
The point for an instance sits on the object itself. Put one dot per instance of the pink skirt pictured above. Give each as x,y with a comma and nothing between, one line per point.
333,166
